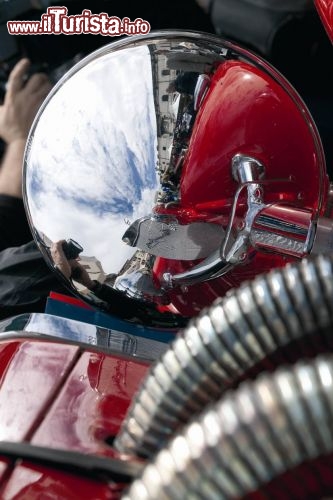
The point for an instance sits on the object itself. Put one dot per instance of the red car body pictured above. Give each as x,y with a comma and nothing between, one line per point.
325,9
61,396
250,111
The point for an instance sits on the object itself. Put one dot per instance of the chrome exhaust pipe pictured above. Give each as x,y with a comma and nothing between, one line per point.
240,335
246,442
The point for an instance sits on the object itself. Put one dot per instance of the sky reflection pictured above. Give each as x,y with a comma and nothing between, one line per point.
92,162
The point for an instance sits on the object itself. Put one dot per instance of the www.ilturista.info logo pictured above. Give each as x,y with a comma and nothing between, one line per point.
56,22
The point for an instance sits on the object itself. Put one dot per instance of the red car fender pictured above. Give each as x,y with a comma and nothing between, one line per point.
325,9
61,396
256,113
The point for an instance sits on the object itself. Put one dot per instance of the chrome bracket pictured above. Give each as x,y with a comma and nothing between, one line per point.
247,171
162,235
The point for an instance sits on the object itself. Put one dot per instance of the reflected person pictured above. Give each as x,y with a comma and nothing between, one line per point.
117,303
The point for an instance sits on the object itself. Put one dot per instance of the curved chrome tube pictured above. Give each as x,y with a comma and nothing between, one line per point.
249,438
210,268
250,325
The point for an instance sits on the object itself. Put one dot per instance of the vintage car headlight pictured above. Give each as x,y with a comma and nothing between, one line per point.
175,160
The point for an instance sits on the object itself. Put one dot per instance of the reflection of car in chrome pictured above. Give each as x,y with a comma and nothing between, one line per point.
186,122
89,410
200,90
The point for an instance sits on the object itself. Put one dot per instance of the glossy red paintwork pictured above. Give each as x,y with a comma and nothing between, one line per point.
55,395
29,482
31,368
190,300
91,404
325,9
3,468
253,111
247,112
30,375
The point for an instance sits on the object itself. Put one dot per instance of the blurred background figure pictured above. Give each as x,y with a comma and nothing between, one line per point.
262,24
21,102
25,279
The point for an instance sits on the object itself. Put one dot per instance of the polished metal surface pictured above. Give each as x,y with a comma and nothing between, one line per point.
162,235
247,171
107,148
249,439
111,340
289,228
235,245
254,324
113,153
210,268
323,239
269,240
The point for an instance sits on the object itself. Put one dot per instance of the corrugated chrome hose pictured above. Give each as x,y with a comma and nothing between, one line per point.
247,439
224,344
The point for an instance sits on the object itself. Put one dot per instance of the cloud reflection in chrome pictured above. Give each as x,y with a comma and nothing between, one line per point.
91,166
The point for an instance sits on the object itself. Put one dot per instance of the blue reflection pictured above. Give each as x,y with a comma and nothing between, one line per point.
91,165
112,340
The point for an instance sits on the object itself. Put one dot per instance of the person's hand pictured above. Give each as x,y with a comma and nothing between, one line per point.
69,268
21,102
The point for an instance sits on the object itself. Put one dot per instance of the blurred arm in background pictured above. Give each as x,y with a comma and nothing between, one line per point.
20,106
22,100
